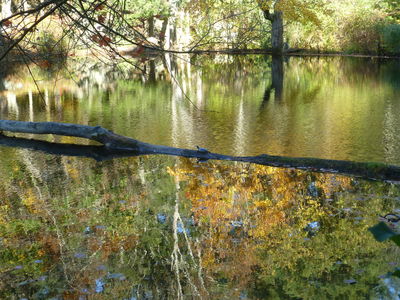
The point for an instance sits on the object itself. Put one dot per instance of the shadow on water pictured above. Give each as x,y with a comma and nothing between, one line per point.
98,153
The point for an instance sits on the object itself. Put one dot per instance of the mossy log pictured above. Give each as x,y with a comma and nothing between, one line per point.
114,145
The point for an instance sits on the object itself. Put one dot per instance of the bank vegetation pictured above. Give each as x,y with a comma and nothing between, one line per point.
120,28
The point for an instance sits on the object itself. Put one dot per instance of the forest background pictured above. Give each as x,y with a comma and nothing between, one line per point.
134,26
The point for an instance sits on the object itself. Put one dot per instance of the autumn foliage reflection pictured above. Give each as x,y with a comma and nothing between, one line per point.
175,228
259,223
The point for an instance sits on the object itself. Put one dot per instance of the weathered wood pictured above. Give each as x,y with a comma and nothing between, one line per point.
115,145
97,133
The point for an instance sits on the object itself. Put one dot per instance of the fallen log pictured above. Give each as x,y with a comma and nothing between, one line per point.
114,145
98,153
98,134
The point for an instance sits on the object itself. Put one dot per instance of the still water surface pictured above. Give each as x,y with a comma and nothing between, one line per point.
158,227
338,108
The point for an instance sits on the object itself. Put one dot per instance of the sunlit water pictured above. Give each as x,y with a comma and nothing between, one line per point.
159,227
337,108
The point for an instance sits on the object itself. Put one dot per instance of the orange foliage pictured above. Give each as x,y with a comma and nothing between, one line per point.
241,206
44,64
6,23
101,40
99,7
50,244
101,18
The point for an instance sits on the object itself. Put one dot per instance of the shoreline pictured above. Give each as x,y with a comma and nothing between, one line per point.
16,57
292,52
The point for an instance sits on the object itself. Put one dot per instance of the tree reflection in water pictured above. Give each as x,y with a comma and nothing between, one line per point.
169,228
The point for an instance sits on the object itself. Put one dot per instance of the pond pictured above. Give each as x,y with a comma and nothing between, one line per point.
159,227
335,108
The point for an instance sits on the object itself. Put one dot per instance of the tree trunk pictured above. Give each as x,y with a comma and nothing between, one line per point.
150,22
152,71
277,76
277,32
163,34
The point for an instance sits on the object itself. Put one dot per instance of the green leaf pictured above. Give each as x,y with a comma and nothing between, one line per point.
382,232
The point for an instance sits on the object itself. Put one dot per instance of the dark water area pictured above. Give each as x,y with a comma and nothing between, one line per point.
159,227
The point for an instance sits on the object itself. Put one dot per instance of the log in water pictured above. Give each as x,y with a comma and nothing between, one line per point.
115,145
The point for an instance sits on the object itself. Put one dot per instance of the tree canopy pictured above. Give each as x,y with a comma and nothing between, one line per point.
132,26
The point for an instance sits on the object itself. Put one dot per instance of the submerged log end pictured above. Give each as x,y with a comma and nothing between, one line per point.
383,171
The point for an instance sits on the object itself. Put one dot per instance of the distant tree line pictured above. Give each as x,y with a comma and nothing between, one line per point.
137,26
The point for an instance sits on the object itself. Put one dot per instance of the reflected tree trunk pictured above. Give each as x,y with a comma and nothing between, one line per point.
199,88
30,106
277,76
180,260
276,85
12,103
43,203
152,71
176,253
